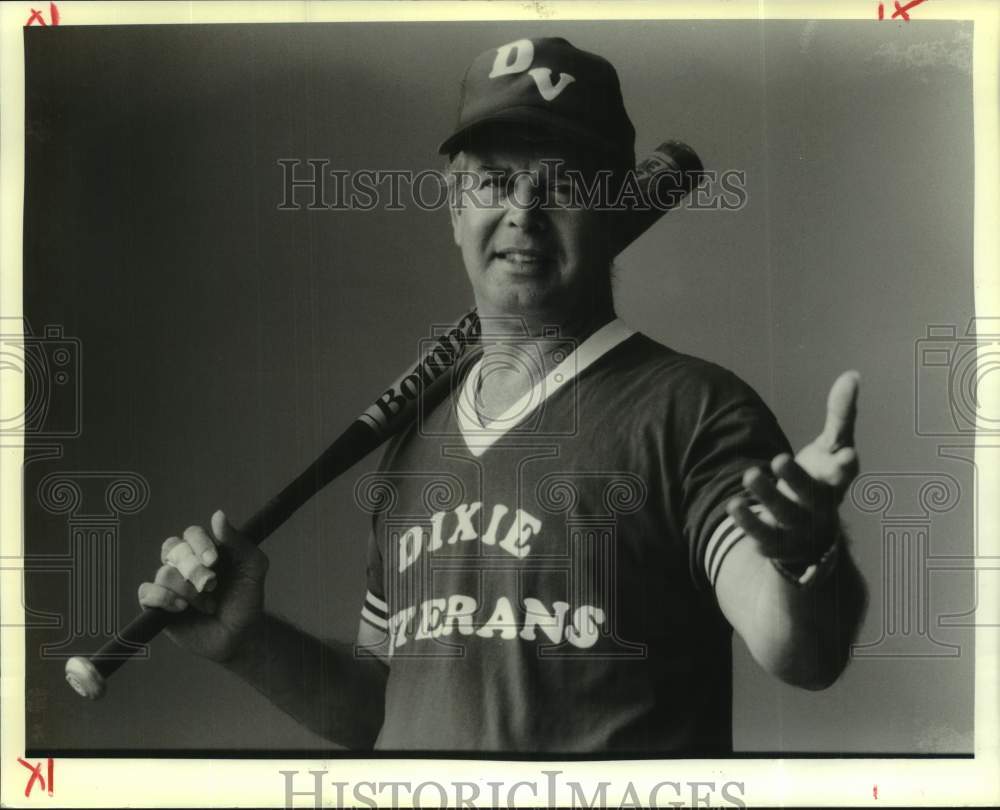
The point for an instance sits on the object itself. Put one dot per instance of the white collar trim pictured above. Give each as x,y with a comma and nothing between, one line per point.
479,438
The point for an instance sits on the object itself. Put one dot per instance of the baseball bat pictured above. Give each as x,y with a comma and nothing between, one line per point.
661,180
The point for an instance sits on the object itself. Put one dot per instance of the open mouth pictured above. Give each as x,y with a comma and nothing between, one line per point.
522,256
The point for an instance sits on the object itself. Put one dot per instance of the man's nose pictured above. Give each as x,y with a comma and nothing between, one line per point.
524,203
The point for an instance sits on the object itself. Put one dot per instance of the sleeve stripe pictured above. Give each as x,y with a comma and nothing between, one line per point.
372,619
376,605
722,548
725,536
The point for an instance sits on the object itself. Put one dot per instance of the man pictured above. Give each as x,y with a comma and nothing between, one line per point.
575,532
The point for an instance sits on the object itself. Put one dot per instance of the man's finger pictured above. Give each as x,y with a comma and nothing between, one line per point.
170,578
841,411
167,547
786,512
769,537
201,544
153,595
184,560
848,465
797,480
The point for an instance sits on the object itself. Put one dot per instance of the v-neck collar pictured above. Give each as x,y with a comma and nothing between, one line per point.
479,438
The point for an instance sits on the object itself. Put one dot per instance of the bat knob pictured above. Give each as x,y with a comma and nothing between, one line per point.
84,678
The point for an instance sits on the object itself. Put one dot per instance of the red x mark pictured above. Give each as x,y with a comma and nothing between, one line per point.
36,16
900,10
36,774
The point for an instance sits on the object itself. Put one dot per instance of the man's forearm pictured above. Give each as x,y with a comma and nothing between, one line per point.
803,634
324,685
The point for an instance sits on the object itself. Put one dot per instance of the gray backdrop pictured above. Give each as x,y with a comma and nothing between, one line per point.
223,342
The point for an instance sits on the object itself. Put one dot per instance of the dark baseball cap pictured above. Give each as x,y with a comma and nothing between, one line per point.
545,85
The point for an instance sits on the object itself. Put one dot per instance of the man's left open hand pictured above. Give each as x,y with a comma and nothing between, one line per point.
797,520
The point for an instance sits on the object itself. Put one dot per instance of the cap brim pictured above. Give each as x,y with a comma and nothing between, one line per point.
541,121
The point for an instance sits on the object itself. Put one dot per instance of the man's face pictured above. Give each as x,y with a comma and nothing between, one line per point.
549,264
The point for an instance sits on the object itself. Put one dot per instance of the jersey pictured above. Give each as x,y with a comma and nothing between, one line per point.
546,584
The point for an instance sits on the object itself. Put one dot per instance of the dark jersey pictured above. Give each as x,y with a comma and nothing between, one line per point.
546,584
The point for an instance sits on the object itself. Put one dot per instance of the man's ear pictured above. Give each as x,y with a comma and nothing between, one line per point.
456,223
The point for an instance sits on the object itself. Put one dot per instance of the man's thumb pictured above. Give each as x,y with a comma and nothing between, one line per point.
227,535
841,411
242,551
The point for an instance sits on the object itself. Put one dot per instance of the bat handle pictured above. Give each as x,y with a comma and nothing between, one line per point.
88,676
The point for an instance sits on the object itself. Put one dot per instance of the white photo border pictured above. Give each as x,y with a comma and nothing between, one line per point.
95,782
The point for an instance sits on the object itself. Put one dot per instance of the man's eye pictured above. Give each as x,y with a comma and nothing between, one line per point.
562,192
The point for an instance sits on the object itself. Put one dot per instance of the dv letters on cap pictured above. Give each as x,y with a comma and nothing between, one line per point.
516,57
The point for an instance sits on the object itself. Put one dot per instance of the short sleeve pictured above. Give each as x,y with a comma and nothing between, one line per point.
375,611
734,430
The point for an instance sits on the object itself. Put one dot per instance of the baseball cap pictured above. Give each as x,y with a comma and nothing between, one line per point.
545,84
